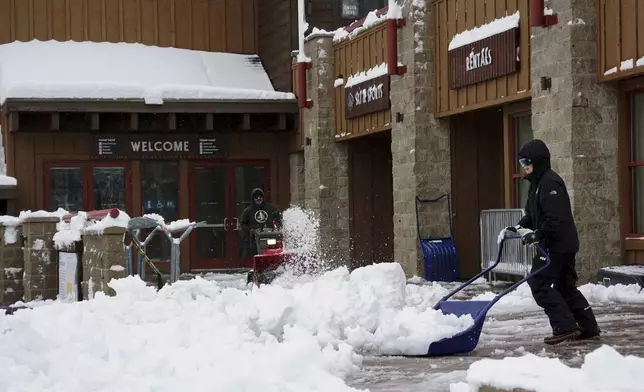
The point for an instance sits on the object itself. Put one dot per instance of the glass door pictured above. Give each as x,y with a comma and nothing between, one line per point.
220,193
210,200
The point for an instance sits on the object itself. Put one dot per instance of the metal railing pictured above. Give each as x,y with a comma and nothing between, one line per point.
516,258
175,249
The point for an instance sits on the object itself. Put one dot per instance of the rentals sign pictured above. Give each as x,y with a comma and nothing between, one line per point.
155,145
485,59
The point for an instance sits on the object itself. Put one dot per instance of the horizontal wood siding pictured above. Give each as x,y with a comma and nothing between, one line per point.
620,38
211,25
455,16
365,51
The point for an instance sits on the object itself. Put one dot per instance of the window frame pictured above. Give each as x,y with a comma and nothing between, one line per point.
630,134
88,181
514,172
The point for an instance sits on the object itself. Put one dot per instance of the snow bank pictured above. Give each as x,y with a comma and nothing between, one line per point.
603,370
271,338
487,30
91,70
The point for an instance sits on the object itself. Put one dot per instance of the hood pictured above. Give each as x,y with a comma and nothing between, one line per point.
257,191
537,151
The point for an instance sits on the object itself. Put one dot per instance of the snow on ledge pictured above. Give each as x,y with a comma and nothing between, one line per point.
364,76
487,30
102,70
604,369
7,181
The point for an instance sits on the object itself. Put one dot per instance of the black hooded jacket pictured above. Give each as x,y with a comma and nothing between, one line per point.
548,211
257,216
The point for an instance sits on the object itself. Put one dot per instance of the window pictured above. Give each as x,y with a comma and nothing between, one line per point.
85,186
160,194
357,9
636,163
521,133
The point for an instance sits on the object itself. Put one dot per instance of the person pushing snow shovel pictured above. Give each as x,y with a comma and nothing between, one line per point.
548,216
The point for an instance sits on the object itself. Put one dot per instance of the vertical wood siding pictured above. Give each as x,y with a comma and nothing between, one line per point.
212,25
365,51
455,16
620,38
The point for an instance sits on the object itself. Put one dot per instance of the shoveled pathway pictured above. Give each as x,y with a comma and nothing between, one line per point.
503,335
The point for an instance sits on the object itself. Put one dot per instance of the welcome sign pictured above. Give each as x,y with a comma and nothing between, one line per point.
156,146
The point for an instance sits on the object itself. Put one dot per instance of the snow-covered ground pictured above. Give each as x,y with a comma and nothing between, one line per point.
308,333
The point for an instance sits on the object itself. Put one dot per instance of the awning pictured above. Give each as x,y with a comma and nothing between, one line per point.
102,76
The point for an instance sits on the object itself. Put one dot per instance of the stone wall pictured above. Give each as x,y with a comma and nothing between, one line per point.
420,143
103,260
11,265
296,164
326,187
577,118
40,278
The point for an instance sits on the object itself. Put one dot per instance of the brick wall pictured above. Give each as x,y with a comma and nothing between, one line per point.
420,143
326,186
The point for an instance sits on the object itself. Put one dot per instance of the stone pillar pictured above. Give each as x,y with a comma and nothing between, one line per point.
577,118
420,143
296,163
103,260
326,162
40,278
11,264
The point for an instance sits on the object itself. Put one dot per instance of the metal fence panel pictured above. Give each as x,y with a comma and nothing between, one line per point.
516,258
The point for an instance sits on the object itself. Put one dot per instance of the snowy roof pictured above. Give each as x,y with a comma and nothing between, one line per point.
497,26
92,70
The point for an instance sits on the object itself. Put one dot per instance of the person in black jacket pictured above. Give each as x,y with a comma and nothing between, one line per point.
549,215
258,215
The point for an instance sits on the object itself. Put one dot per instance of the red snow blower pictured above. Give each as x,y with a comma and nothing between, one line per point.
270,256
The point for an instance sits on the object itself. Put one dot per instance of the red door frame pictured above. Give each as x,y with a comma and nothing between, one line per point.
87,181
231,241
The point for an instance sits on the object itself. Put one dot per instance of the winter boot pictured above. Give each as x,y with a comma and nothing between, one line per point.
590,334
561,337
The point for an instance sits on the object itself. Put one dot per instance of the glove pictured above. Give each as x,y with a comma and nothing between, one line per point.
512,229
531,238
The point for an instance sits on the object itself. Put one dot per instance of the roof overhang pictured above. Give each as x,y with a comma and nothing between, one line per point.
268,106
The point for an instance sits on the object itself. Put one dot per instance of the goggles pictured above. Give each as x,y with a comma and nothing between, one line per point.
525,162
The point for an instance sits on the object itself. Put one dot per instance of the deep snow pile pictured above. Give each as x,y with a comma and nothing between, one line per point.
603,370
270,338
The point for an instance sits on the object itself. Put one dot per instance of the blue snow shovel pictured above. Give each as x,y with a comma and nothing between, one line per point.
466,341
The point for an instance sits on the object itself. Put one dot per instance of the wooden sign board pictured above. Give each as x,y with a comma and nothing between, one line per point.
367,97
487,59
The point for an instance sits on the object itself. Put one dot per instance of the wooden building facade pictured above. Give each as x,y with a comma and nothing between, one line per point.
620,61
190,158
484,88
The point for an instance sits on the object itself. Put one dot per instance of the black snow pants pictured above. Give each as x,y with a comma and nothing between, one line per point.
555,290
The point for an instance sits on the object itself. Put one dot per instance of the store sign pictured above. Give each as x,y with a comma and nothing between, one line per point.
350,9
367,97
154,145
486,59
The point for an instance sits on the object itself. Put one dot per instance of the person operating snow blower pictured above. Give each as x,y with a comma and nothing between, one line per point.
257,216
548,215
